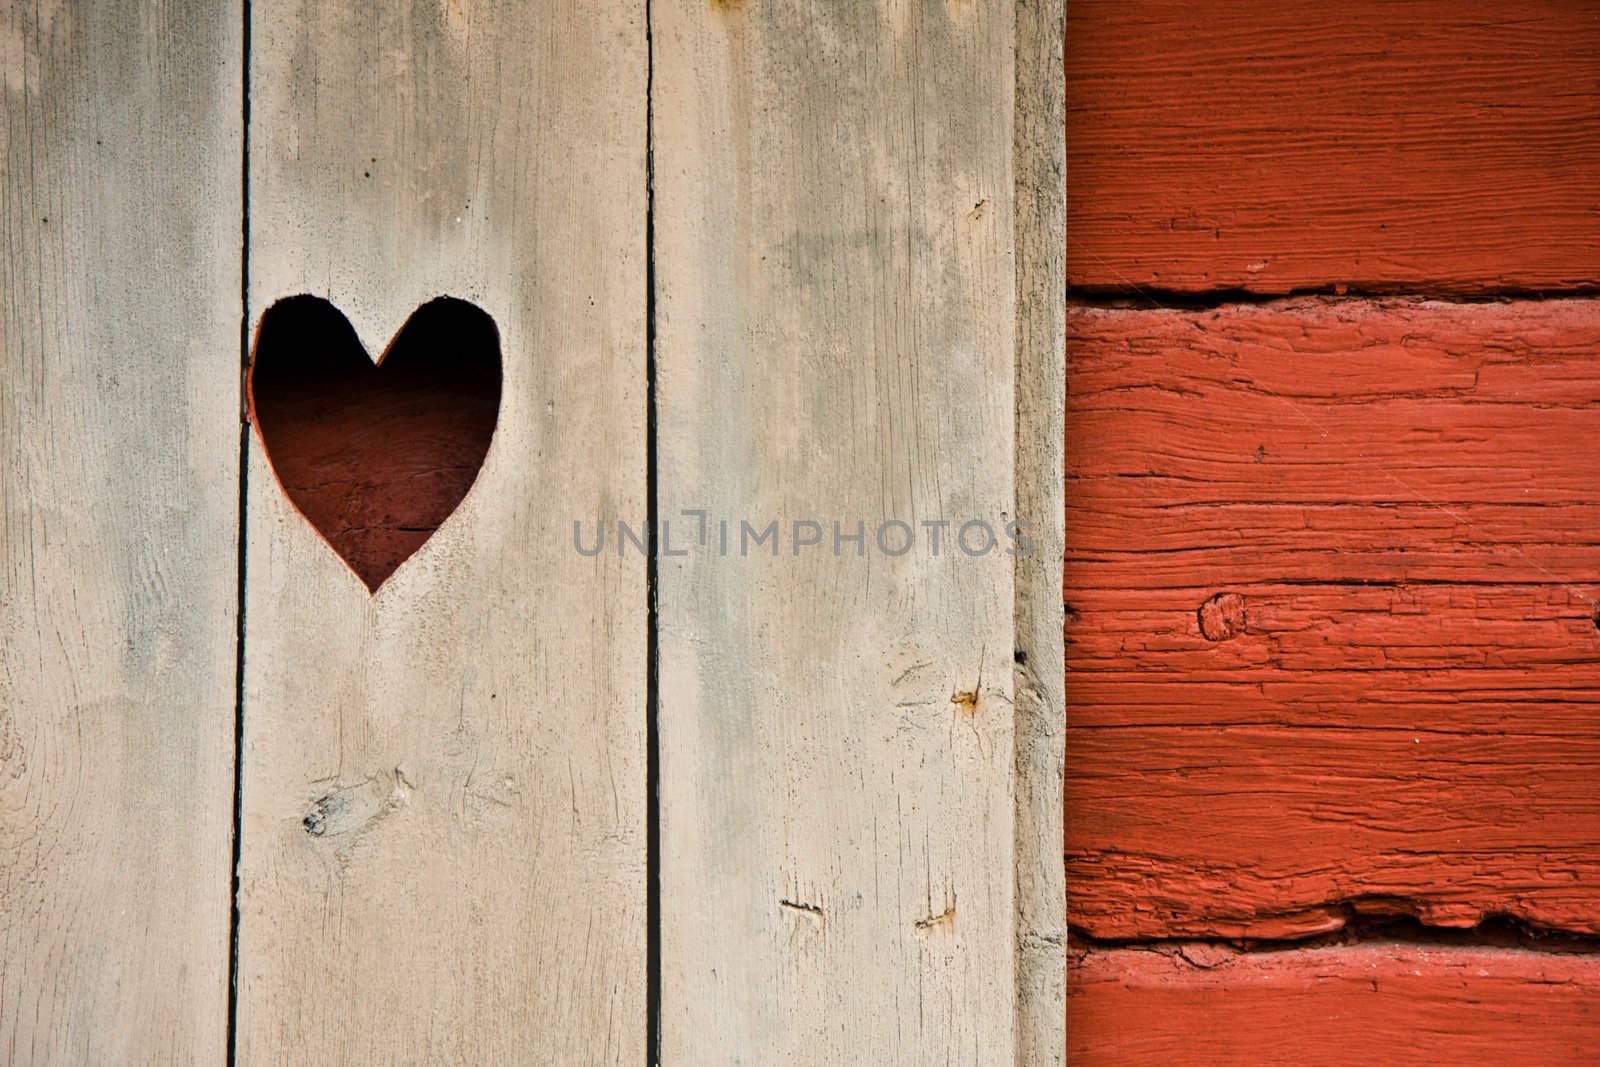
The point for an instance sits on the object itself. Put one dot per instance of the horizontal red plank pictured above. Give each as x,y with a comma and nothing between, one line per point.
1324,404
1277,831
1360,1005
1432,146
1332,574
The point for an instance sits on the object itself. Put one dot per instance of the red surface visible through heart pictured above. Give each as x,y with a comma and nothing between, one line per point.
375,455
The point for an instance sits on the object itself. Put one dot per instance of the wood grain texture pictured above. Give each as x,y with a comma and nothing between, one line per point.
444,807
120,145
1401,1005
836,341
1331,640
1038,656
1433,146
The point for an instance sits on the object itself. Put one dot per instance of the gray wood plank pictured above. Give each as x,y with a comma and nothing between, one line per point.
1040,662
120,254
837,342
477,728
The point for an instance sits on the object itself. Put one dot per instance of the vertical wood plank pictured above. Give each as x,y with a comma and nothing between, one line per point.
469,742
836,343
1040,660
119,359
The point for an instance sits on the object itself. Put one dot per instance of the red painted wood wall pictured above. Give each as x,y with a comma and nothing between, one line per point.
1333,562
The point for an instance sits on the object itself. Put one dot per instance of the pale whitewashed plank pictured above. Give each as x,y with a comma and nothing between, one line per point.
444,783
120,146
837,320
1040,667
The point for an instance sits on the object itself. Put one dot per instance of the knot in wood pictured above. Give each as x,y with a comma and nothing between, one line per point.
1222,617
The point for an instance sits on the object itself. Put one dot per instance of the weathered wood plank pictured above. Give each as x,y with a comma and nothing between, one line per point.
1274,831
1040,210
1407,1005
120,148
1441,145
837,316
1332,640
444,783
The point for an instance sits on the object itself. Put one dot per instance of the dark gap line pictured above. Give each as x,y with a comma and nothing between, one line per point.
1498,931
652,1035
1133,297
232,1052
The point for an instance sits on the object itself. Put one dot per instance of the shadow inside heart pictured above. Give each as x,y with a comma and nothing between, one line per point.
375,456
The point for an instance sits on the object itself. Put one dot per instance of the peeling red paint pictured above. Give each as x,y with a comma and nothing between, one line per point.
1346,1006
1431,146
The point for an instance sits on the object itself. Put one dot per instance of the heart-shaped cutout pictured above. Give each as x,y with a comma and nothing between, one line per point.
375,455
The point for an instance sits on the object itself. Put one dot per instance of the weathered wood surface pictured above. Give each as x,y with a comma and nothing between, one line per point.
1441,145
119,364
1331,639
1402,1005
1040,218
837,314
444,784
